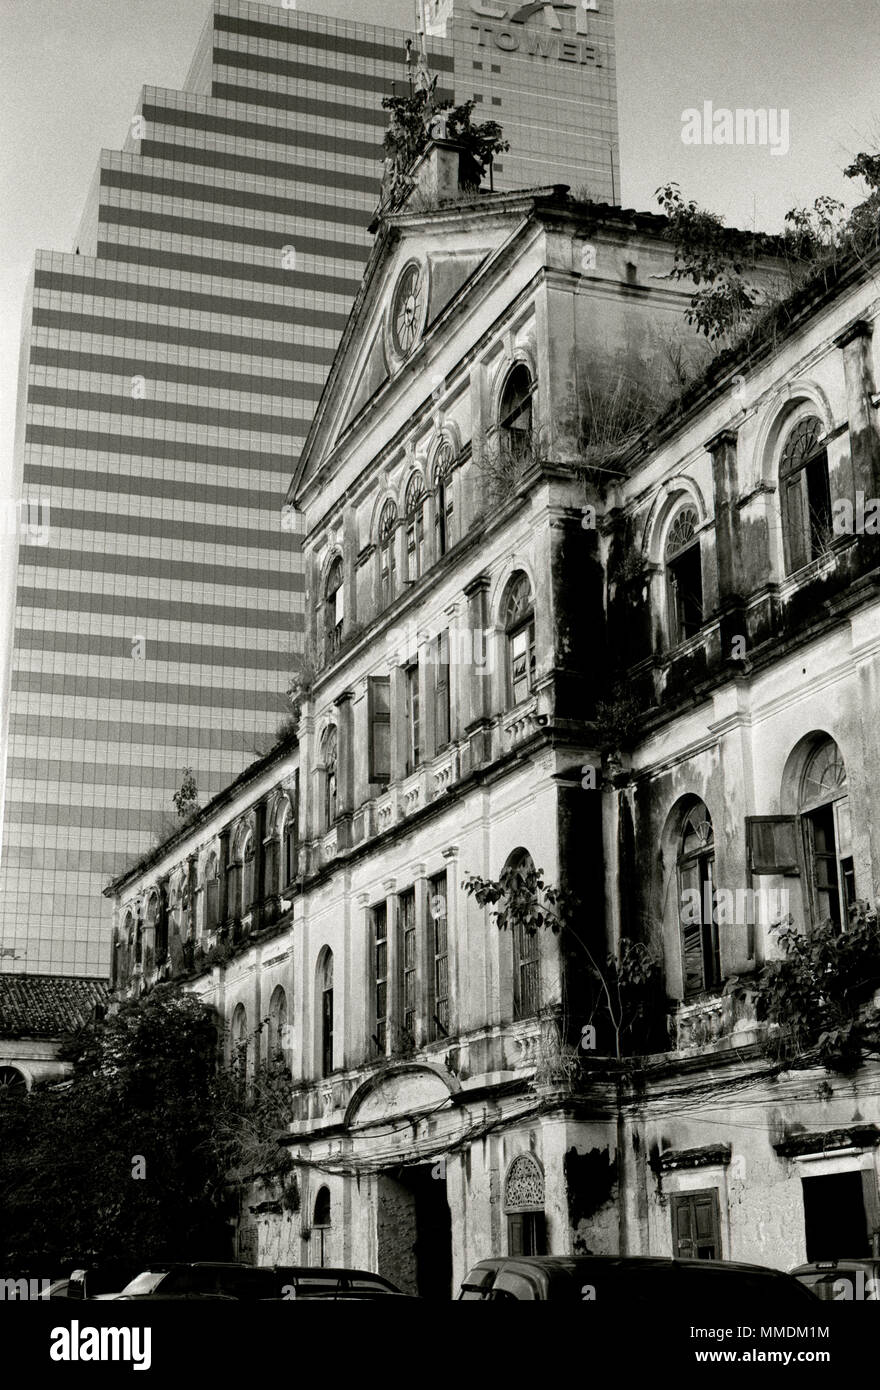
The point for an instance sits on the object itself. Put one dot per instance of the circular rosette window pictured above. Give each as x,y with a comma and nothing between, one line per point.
408,309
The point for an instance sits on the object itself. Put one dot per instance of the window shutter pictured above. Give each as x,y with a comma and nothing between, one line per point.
515,1234
696,1230
773,844
379,691
797,527
692,958
441,706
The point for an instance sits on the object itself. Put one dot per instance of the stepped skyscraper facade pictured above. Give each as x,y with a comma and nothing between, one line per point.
171,365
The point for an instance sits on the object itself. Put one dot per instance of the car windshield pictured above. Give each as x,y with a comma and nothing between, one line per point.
147,1282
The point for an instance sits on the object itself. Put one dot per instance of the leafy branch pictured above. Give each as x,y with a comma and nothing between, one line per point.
629,983
819,993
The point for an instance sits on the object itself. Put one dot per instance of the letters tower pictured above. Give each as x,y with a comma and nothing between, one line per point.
547,73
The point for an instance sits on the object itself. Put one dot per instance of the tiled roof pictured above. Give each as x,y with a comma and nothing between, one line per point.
48,1006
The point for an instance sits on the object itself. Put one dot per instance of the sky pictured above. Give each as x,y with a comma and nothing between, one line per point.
71,71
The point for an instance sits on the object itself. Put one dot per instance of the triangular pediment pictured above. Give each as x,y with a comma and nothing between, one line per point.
416,272
447,270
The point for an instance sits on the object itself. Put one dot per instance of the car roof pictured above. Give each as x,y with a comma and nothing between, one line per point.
843,1262
574,1263
332,1272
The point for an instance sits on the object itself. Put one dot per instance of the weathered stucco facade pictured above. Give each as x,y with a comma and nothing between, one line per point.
487,584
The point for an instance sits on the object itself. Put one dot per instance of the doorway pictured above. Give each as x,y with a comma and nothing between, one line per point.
835,1222
414,1230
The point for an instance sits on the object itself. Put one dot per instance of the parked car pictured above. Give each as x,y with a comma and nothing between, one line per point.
103,1281
246,1283
632,1280
312,1281
842,1281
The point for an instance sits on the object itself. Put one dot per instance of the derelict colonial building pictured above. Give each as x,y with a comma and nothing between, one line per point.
641,676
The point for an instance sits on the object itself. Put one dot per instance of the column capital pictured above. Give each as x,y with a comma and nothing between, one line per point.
724,438
859,328
477,586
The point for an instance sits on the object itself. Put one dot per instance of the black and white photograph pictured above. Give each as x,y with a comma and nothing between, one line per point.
439,686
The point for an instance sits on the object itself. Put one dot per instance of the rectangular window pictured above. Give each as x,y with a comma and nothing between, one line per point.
389,565
413,724
437,911
415,544
408,964
270,867
522,662
441,691
700,944
212,903
818,842
686,594
525,947
379,715
835,1218
526,1233
380,974
247,880
696,1225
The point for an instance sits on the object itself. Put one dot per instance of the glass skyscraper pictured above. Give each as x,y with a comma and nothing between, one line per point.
171,364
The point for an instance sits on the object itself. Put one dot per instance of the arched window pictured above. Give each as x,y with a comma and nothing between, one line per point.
700,949
518,875
524,1207
387,556
271,859
333,608
247,874
325,985
805,494
823,804
157,918
277,1041
415,526
239,1046
329,758
12,1082
321,1228
212,893
515,413
684,576
519,629
233,885
288,846
443,505
122,948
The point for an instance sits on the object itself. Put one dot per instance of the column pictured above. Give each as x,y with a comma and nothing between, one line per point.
864,427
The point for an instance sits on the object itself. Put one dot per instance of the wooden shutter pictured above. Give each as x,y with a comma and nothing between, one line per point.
441,692
774,844
379,713
696,1227
797,521
693,975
